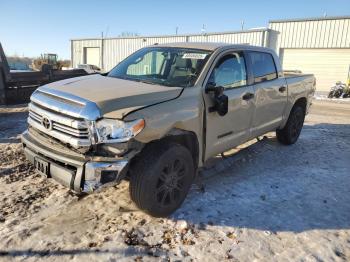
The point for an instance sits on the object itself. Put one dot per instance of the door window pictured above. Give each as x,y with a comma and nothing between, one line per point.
263,65
230,71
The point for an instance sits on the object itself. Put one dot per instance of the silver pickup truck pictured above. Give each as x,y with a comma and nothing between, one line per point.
159,115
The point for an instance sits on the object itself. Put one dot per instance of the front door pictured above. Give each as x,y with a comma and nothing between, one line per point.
232,129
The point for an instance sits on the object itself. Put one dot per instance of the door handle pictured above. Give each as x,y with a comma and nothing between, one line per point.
247,96
282,89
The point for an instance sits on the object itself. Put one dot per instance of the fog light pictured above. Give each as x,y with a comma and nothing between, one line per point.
99,173
108,176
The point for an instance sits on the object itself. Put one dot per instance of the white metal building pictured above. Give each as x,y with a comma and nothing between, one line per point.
107,52
320,46
315,45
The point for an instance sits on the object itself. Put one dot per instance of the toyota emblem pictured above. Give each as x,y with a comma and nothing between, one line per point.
46,123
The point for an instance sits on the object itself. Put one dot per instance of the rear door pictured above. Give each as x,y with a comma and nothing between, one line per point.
270,93
225,132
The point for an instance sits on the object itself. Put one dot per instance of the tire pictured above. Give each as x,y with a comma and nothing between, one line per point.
161,178
46,68
290,133
331,94
338,94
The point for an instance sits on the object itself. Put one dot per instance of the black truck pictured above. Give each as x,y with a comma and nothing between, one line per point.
17,87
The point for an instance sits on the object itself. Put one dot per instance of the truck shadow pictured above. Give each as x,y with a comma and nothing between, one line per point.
272,187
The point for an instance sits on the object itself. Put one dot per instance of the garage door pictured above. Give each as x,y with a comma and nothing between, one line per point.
328,65
92,56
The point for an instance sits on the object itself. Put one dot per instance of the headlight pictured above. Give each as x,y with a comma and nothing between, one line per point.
115,131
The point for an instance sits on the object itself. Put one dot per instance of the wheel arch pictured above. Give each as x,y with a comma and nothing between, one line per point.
302,101
185,138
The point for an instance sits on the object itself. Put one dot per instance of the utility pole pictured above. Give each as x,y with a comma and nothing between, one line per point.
176,30
242,25
102,51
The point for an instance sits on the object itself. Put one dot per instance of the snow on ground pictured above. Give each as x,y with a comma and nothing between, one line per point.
266,202
324,97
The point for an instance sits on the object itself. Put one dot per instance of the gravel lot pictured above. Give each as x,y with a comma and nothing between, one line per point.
265,202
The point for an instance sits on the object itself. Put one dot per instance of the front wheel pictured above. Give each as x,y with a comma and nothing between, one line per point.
331,94
290,133
161,178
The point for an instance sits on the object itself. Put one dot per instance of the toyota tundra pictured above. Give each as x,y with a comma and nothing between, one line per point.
159,115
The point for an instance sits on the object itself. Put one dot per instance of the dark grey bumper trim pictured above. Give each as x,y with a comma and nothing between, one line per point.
70,170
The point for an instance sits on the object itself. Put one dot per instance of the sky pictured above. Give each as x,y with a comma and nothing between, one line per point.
33,27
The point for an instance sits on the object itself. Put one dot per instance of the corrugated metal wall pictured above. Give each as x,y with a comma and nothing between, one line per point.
245,37
306,33
318,33
116,49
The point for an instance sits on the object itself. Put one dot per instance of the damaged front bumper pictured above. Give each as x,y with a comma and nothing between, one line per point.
72,169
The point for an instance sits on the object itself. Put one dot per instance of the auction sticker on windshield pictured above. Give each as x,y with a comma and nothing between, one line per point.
194,56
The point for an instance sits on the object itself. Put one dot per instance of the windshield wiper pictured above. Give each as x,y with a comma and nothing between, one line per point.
143,81
153,83
146,82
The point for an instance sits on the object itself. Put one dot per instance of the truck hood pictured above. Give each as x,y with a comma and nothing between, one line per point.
114,97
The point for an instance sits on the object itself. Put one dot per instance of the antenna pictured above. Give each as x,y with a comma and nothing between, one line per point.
203,29
107,30
242,25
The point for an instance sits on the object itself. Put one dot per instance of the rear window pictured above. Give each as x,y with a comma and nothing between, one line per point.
263,65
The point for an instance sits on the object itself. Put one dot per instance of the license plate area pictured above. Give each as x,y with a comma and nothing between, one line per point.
42,166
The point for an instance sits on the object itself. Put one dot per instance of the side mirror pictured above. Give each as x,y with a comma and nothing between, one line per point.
220,99
210,87
221,105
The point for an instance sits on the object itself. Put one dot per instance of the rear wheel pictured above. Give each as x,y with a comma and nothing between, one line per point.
290,133
161,178
338,93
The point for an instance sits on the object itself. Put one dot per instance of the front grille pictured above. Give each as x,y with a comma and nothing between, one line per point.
62,127
71,131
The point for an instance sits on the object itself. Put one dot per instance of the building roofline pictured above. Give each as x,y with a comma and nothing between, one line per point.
180,35
209,46
309,19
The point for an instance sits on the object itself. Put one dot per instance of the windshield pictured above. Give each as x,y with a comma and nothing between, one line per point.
162,65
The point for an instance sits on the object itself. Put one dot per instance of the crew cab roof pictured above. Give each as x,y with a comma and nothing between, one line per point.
211,46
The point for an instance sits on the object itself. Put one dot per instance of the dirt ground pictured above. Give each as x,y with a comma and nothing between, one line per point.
266,202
